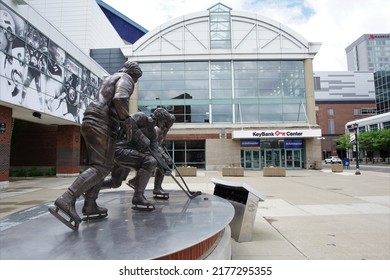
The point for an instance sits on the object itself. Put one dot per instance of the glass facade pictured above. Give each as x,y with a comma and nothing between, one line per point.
187,152
378,49
225,91
382,91
236,76
220,32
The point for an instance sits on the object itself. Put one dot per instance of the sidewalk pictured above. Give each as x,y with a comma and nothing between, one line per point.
308,214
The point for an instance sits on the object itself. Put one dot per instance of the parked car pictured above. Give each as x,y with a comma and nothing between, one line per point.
333,159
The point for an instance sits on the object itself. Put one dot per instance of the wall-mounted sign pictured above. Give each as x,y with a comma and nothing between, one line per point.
293,144
379,36
250,142
277,133
2,127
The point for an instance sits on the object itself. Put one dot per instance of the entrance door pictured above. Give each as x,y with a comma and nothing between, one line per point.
297,158
272,157
250,159
294,158
289,159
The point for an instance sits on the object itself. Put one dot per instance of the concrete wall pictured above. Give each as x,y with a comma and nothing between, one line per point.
313,154
222,153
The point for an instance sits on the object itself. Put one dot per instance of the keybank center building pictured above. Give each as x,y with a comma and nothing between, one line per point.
240,86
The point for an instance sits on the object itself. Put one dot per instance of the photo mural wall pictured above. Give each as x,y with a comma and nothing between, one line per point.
38,74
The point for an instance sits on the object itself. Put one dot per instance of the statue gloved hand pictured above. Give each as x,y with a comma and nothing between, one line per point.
161,158
167,172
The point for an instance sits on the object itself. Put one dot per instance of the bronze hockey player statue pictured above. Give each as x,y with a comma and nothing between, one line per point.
99,129
162,131
142,153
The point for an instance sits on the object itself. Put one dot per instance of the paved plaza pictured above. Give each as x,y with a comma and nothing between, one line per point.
309,214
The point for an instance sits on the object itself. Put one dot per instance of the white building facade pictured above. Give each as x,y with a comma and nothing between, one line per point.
43,70
47,77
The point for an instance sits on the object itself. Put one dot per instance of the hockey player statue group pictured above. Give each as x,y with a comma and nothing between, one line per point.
117,143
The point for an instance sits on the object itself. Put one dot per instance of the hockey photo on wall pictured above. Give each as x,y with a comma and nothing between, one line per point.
38,74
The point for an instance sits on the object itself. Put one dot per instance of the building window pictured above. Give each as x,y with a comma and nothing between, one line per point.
182,88
373,127
356,112
382,91
222,113
269,91
331,129
225,91
368,111
330,112
187,153
221,79
220,37
386,125
317,83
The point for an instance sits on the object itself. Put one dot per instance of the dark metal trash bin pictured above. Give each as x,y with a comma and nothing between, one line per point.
245,201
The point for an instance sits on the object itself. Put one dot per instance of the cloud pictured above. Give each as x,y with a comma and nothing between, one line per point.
334,23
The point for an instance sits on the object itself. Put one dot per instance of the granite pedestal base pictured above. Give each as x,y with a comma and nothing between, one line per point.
179,228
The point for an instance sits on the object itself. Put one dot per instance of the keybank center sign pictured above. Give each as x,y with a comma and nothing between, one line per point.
277,133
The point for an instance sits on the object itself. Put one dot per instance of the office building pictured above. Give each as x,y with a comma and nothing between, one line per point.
370,52
341,96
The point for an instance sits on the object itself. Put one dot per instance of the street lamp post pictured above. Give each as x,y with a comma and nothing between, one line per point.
355,127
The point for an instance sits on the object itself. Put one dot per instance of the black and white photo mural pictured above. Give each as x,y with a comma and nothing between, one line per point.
38,74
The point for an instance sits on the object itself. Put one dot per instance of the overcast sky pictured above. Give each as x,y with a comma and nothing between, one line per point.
334,23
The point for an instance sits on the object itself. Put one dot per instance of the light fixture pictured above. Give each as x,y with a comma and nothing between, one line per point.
37,115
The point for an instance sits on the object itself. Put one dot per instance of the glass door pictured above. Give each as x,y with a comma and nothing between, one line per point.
297,159
294,158
247,160
273,157
277,157
289,159
256,159
250,159
268,158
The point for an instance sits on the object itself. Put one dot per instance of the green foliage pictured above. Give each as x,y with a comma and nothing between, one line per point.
375,140
32,172
369,141
343,142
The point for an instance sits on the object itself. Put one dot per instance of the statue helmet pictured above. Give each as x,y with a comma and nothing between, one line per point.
164,115
132,68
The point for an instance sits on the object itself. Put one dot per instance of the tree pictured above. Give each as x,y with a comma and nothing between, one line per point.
382,142
375,140
343,142
367,142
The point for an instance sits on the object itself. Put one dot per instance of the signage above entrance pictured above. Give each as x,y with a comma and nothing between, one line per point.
277,133
250,142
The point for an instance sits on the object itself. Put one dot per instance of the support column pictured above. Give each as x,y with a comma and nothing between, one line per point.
310,98
68,150
5,144
313,149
